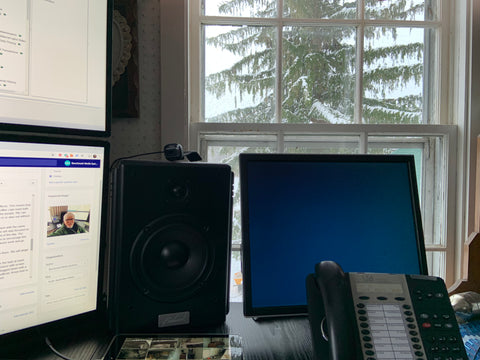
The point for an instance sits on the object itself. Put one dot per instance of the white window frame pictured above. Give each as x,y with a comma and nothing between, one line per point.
180,124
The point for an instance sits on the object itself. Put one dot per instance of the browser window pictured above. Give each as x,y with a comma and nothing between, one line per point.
50,231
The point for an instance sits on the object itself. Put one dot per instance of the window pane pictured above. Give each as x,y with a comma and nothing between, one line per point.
343,9
418,10
229,155
238,142
318,78
393,75
236,277
259,8
401,146
239,78
431,174
322,144
436,263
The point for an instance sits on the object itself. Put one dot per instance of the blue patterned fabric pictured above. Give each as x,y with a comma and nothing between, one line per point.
470,332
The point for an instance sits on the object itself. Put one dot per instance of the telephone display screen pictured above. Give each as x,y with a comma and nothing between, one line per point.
360,211
378,288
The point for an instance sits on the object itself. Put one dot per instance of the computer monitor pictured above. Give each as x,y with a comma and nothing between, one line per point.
52,230
361,211
55,66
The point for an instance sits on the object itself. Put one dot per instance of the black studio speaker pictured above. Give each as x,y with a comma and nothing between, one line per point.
170,245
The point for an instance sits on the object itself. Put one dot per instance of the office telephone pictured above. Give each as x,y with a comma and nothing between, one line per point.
387,316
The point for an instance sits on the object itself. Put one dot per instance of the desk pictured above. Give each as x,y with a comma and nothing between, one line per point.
281,338
266,339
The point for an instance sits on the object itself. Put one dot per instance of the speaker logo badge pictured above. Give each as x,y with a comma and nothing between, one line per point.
173,319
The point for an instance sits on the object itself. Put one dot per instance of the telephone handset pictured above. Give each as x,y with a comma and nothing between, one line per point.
380,316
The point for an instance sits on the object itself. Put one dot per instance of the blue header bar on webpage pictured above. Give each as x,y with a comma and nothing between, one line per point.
45,162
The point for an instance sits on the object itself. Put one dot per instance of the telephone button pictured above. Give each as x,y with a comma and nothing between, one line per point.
362,312
363,297
363,318
406,306
426,325
408,313
382,298
400,298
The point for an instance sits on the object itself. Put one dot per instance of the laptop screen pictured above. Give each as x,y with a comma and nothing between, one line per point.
361,211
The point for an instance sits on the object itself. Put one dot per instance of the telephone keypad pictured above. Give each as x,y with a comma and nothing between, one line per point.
438,327
389,339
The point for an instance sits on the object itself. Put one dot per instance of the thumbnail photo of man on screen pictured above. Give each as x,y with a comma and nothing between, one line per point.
66,223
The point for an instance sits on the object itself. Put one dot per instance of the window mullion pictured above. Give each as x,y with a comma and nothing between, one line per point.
281,141
359,64
278,73
363,142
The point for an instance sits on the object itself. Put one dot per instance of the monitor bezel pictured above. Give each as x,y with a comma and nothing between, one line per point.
32,333
59,130
246,158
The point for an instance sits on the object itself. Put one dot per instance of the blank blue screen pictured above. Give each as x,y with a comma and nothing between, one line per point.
300,213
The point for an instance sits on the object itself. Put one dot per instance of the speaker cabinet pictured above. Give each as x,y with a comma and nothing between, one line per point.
170,245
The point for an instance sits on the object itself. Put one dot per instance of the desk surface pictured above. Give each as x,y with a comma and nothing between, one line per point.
280,338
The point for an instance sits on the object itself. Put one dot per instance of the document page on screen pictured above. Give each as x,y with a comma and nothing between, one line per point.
53,69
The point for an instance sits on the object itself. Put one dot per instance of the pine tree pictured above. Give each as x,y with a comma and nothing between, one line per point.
319,65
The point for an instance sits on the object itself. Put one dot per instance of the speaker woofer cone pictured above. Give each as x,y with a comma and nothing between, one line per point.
171,258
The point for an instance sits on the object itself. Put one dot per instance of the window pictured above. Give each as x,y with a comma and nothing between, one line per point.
371,62
330,76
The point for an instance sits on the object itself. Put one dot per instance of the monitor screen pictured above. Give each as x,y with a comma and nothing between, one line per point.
361,211
52,229
55,71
